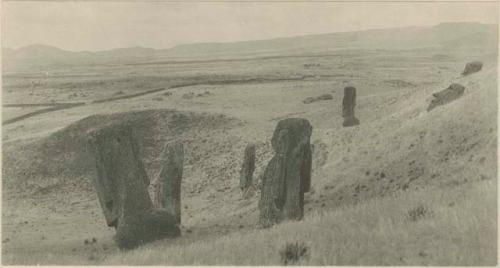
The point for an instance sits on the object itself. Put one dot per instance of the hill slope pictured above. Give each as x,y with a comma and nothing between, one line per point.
406,186
411,188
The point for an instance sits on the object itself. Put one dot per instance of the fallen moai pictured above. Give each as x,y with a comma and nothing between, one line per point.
288,174
188,96
121,183
453,92
247,167
348,104
167,186
318,98
472,67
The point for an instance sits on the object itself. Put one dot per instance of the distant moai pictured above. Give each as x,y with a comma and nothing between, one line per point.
247,167
472,67
453,92
348,104
288,175
121,183
167,186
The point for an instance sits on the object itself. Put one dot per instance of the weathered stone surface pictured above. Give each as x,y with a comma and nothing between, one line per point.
348,104
453,92
288,175
472,67
121,184
167,186
153,224
117,164
247,167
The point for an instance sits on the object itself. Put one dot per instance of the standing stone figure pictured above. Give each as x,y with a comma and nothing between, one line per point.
167,186
121,183
288,175
247,167
348,104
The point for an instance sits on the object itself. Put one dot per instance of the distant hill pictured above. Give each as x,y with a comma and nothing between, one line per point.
443,35
461,35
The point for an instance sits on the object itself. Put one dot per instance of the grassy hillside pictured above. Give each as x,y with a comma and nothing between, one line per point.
406,186
414,148
453,226
410,188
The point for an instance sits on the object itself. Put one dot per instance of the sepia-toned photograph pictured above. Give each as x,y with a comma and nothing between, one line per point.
249,133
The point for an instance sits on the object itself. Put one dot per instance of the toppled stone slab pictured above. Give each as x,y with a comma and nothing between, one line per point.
453,92
472,67
318,98
206,93
399,83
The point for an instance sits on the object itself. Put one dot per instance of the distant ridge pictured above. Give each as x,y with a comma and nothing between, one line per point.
453,35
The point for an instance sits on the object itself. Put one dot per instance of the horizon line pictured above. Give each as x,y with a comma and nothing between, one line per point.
239,41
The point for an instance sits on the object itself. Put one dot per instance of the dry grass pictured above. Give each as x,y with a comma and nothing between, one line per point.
452,148
460,231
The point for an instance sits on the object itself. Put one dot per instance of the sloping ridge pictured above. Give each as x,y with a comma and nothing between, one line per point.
445,35
411,148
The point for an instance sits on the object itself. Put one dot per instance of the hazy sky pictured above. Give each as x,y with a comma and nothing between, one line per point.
106,25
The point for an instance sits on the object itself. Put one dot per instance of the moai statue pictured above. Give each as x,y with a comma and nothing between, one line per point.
167,186
472,67
121,183
452,93
288,175
348,104
247,167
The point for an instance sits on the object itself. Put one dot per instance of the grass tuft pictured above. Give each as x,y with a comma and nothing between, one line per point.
294,253
419,212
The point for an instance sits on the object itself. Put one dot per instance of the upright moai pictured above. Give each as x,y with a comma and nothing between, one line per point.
288,174
121,183
348,104
247,167
167,186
